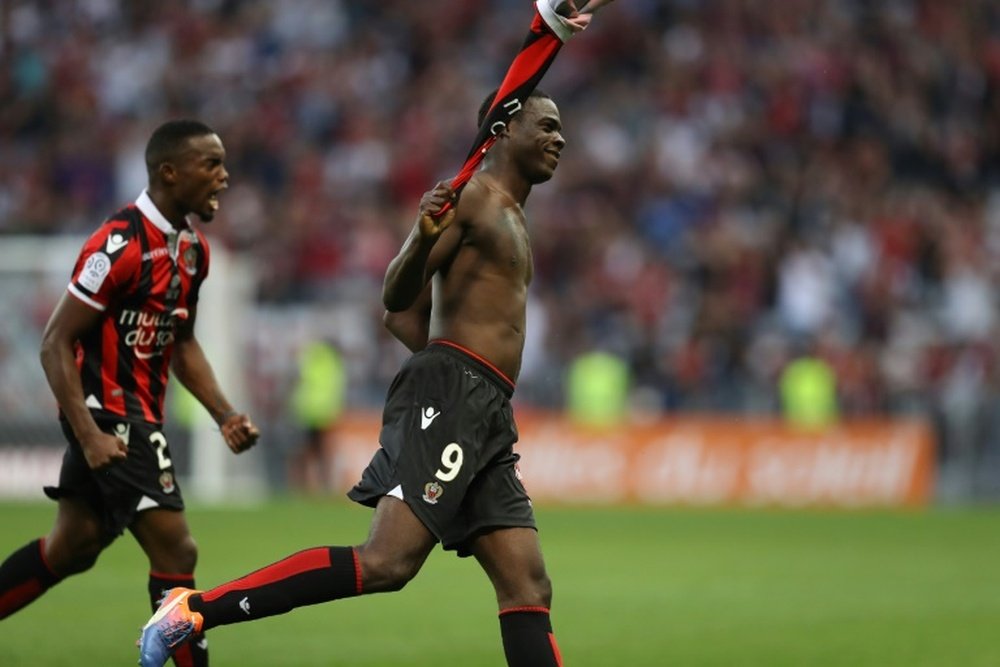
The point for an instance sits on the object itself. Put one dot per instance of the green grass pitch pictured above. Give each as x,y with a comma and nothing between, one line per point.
632,587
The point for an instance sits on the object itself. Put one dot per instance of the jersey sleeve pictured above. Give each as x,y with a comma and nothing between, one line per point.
106,263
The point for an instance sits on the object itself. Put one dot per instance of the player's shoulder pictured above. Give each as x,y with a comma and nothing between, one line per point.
477,199
487,201
117,232
476,188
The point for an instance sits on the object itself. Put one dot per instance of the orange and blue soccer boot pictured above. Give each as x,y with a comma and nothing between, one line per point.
171,625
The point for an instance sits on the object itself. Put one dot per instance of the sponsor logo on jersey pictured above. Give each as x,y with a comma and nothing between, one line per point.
115,243
432,492
94,271
149,332
154,253
427,417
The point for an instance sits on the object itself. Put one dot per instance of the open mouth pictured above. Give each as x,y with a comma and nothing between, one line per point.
213,200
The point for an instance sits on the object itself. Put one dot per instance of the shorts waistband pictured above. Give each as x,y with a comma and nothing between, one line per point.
491,372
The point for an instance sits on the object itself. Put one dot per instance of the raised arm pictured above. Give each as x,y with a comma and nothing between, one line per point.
410,271
70,320
191,368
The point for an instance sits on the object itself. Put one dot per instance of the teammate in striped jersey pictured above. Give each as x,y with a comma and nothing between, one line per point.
126,319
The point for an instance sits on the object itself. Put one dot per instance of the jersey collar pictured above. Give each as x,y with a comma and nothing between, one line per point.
145,204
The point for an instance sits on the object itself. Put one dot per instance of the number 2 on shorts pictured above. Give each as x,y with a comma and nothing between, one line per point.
451,459
161,446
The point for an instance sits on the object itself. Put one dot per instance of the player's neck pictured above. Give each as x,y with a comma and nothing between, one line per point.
166,208
512,187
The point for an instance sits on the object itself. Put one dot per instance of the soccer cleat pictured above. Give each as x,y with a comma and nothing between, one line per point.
171,625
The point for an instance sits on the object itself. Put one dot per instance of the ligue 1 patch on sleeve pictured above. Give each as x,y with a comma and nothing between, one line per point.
94,271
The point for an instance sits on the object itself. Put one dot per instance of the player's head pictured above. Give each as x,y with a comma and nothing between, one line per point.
484,108
185,163
532,140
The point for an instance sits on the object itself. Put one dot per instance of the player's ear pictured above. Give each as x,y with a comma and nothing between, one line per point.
167,172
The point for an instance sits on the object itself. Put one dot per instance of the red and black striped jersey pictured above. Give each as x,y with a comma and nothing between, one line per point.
144,276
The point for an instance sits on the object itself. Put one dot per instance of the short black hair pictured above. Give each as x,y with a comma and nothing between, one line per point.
484,108
169,138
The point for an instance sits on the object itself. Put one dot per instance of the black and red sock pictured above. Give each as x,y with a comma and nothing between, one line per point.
24,576
528,640
307,577
193,653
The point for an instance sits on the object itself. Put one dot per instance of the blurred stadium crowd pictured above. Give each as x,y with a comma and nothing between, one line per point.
745,181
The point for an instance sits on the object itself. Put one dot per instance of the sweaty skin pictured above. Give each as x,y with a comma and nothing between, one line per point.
480,297
477,257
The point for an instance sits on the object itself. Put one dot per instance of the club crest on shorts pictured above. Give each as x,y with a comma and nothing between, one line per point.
432,491
167,481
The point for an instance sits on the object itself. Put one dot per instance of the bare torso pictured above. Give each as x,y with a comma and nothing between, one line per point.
480,294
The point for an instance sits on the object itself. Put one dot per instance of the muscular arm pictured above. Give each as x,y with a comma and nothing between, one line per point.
70,320
190,366
429,243
411,326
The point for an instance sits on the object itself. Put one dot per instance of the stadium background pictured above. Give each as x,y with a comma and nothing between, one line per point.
746,184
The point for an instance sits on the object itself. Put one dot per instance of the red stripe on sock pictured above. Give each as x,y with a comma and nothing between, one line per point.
515,610
172,577
357,571
555,649
183,657
19,596
303,561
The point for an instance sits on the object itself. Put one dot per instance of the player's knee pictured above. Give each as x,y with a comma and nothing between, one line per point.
531,591
181,557
174,557
186,555
539,591
544,591
78,556
382,573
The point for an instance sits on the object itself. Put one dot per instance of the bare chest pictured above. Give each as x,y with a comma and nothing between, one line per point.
511,244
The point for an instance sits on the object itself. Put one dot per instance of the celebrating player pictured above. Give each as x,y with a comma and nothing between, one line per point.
126,318
446,471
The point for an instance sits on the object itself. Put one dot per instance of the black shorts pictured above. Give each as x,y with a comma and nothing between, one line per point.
447,442
145,480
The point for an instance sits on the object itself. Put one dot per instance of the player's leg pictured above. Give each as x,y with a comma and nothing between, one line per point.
512,558
72,546
166,539
396,548
398,544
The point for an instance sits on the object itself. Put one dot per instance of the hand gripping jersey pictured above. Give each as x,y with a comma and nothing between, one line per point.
144,276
